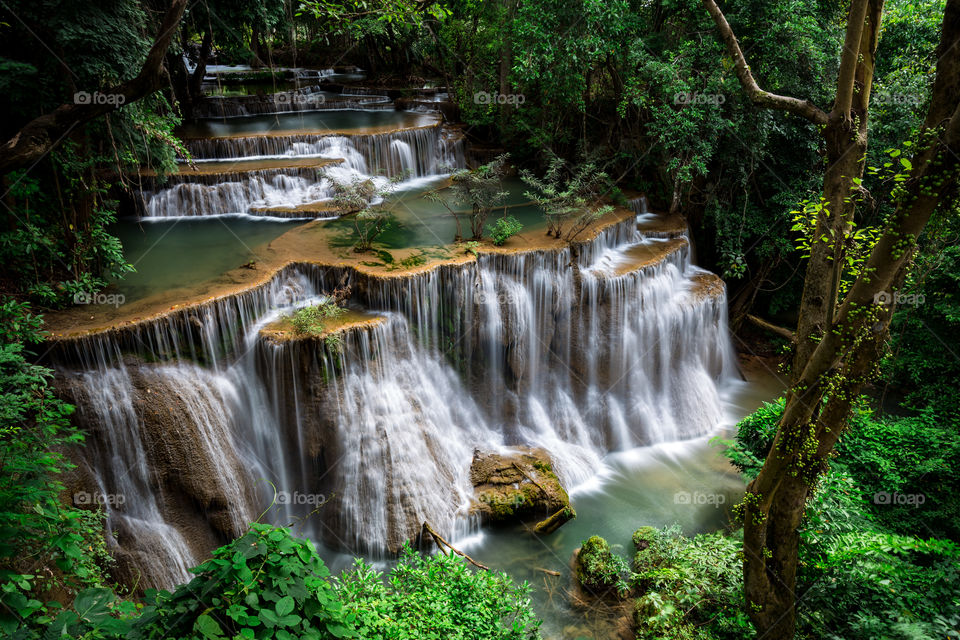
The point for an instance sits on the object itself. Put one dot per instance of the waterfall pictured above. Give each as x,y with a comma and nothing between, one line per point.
237,193
404,426
611,345
209,415
279,192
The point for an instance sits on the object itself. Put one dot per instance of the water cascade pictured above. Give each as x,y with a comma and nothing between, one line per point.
258,190
205,416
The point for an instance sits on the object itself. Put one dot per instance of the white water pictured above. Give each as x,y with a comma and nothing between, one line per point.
416,153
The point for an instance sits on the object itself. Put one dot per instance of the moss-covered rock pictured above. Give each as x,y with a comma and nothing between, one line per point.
518,487
599,570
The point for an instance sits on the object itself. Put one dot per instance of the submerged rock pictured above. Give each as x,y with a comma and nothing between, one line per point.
519,486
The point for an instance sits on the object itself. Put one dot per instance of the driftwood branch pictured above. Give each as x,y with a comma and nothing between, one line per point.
761,98
783,332
443,543
39,136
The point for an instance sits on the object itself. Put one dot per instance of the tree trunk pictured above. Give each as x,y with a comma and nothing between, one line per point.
196,78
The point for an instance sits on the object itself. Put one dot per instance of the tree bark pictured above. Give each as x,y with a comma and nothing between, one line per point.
42,134
196,78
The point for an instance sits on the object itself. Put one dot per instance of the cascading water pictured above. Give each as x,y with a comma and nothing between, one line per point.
200,415
412,153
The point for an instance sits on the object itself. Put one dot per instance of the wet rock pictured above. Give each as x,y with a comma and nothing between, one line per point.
519,486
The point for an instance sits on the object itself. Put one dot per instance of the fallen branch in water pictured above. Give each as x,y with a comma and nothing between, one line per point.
443,543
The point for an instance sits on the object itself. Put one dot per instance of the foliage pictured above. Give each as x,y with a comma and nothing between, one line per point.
313,319
363,199
437,597
47,546
569,196
893,461
688,588
503,229
599,569
923,365
479,189
864,545
268,584
265,584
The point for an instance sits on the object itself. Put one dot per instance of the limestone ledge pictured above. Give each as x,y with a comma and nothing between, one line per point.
306,245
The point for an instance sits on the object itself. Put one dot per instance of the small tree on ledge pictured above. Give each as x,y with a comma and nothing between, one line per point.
575,201
481,189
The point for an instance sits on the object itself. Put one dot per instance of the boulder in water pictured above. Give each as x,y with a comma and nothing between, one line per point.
519,486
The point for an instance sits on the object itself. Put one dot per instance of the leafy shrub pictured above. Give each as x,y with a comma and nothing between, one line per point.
503,229
437,597
864,571
266,584
689,588
45,545
314,319
888,458
599,569
862,582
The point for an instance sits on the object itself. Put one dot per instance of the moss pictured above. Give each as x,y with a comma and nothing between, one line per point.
545,467
643,536
599,569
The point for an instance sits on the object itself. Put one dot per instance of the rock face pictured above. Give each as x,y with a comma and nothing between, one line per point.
519,486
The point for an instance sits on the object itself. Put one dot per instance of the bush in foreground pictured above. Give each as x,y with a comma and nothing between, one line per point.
268,584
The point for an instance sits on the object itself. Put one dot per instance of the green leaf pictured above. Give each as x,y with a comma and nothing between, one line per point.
208,627
284,606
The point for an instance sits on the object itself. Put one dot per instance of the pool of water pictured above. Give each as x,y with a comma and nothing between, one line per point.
420,222
188,251
182,252
347,121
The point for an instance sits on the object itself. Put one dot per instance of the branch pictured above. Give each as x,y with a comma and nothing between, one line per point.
39,136
443,543
784,333
761,98
850,58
